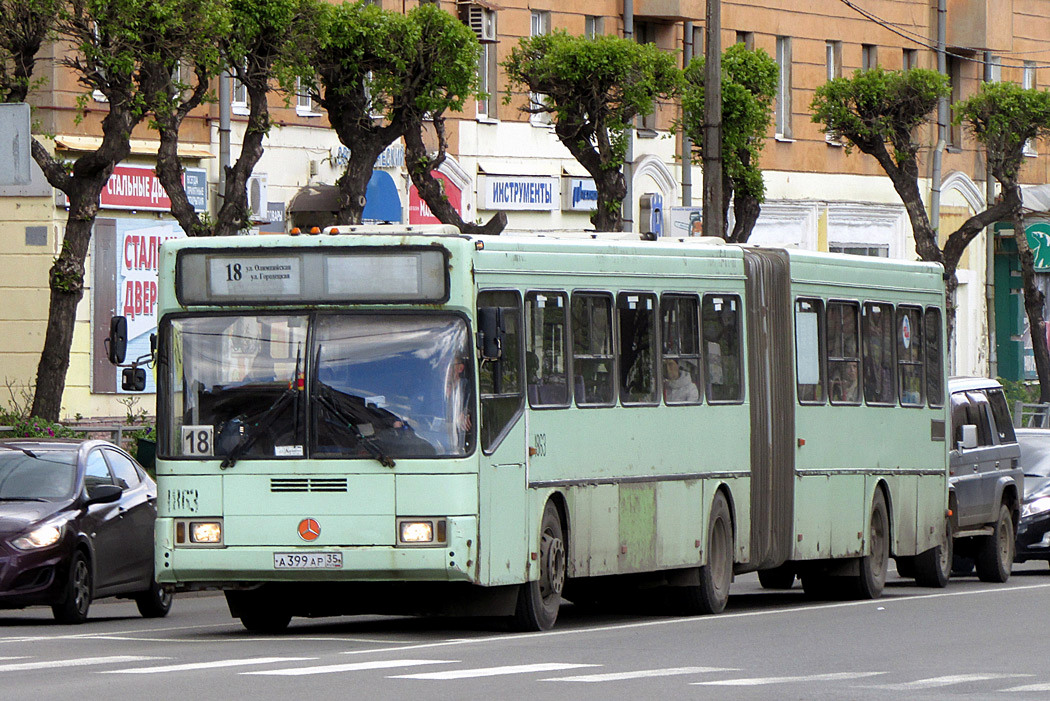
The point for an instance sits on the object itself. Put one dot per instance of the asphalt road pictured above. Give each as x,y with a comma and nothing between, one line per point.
972,640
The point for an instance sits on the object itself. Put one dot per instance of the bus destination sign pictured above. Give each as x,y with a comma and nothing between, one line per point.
252,276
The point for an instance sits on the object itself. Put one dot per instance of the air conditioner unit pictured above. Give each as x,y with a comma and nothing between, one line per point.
481,20
258,197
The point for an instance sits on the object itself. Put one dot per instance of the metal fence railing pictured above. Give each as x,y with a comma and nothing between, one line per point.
1031,415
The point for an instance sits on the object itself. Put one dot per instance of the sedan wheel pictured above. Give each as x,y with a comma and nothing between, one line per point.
76,599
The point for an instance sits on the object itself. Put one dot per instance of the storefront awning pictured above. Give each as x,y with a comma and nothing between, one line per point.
382,201
139,147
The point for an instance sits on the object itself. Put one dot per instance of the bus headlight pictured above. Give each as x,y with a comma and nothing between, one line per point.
190,532
421,531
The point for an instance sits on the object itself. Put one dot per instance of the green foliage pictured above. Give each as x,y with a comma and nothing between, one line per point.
35,427
877,107
24,26
1002,117
749,84
1020,391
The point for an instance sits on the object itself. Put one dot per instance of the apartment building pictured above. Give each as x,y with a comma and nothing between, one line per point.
818,196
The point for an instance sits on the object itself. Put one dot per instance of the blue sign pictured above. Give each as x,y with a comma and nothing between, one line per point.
581,196
196,181
382,203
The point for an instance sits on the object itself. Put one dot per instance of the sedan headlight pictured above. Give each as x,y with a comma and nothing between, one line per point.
1036,507
40,537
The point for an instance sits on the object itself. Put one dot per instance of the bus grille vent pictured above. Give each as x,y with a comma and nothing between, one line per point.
307,484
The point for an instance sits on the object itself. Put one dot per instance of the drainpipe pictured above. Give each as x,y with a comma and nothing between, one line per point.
942,121
989,263
628,164
224,130
687,143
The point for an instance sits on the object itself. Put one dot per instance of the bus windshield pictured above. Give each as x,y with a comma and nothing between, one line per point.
327,385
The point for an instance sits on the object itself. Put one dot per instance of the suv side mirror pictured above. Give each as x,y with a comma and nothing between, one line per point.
969,437
117,343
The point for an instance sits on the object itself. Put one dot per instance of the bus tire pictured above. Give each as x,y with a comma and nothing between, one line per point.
711,594
539,600
873,566
266,621
933,568
995,553
782,577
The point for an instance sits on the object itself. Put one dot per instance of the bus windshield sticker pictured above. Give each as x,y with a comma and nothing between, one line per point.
197,441
288,451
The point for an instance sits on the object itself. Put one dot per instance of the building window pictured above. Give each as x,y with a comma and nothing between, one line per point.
869,56
1028,82
873,250
833,59
594,26
541,24
747,39
645,33
304,102
994,69
489,106
238,95
955,66
783,107
910,59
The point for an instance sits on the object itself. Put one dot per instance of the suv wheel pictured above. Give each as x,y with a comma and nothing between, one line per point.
995,554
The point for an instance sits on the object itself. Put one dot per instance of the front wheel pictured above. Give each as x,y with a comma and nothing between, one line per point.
539,600
934,567
873,566
711,594
995,554
76,598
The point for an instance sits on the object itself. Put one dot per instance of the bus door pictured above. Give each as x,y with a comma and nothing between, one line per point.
504,518
770,341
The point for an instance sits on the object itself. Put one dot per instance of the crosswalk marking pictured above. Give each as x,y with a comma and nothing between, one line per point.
494,671
760,681
950,680
1034,688
216,664
75,662
640,674
349,667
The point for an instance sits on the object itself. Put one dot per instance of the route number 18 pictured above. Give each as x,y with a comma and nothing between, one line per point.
197,441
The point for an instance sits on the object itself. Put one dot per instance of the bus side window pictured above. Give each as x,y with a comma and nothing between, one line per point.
909,355
502,398
880,386
680,357
637,317
546,349
843,353
809,350
723,369
931,344
594,376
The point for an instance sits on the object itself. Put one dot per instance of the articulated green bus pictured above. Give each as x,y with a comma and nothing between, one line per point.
402,420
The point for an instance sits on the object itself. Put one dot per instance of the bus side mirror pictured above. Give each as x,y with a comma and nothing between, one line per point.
117,343
490,339
133,379
969,437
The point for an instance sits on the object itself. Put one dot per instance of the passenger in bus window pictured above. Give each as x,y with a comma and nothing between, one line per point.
458,404
679,386
844,385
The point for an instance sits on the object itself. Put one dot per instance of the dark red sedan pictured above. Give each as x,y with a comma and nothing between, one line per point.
76,524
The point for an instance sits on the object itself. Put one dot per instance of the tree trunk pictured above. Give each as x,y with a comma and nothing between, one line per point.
575,135
66,281
1033,307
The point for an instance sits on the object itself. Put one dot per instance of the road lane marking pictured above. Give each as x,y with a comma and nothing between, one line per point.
640,674
494,671
81,662
948,680
761,681
216,664
1037,688
349,667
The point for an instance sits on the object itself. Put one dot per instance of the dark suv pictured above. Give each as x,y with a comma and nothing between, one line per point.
986,482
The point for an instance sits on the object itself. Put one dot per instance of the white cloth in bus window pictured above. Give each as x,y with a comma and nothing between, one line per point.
458,409
679,387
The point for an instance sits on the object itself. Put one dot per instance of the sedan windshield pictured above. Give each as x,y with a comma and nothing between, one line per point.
44,475
328,385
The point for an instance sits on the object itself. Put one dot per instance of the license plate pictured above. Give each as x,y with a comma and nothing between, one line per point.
307,561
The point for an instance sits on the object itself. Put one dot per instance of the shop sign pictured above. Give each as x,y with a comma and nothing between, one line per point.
579,194
517,192
419,212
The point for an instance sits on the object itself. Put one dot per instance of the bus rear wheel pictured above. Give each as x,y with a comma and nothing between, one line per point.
873,566
782,577
711,594
539,600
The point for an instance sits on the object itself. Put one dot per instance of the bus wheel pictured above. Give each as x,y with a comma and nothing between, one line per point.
538,601
712,593
873,566
782,577
995,554
934,567
264,621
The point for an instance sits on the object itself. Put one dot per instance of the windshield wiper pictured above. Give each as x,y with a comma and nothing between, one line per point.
267,417
363,431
